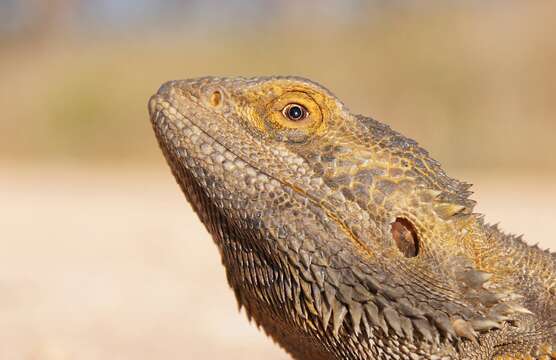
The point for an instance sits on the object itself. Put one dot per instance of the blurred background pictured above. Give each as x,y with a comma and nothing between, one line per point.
101,257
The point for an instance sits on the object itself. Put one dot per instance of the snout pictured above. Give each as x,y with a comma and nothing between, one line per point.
206,91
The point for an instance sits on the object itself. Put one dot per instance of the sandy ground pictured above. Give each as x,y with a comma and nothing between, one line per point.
114,265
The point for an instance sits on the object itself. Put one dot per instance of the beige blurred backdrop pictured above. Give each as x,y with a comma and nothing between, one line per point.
101,257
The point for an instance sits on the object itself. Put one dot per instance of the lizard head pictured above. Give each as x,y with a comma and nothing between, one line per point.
322,215
262,141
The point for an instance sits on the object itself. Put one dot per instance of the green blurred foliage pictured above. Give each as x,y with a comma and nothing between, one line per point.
474,83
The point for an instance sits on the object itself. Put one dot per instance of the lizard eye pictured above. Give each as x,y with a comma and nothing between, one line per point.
295,112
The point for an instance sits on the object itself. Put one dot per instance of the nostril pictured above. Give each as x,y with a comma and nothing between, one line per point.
216,98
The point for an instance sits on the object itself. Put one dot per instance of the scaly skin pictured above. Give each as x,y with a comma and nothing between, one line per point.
342,238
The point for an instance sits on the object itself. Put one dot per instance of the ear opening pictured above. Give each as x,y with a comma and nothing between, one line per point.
406,238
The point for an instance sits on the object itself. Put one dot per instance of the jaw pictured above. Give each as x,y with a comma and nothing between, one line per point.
258,281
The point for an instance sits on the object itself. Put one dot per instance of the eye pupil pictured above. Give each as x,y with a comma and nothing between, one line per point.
295,112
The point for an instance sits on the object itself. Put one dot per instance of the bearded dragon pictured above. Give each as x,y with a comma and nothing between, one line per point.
343,239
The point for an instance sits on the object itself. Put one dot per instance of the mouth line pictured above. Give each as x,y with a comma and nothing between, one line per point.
329,212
